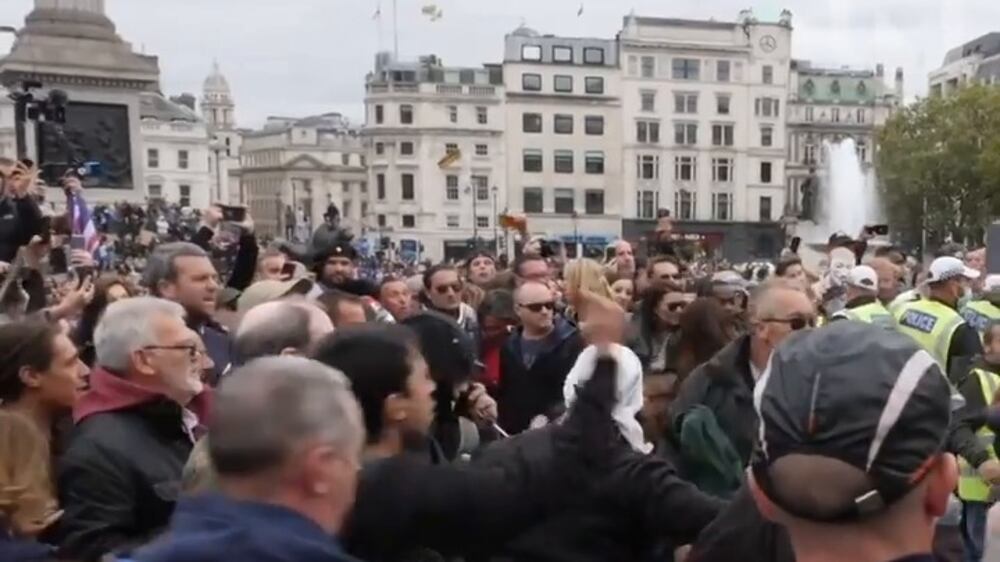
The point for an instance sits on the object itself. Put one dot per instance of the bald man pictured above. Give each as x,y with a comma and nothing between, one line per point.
725,383
890,279
284,327
624,260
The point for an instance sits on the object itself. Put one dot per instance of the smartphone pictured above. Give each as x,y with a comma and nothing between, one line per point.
796,242
77,242
82,273
45,230
879,229
233,214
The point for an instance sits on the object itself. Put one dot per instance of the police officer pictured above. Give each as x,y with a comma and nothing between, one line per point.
862,299
934,321
980,312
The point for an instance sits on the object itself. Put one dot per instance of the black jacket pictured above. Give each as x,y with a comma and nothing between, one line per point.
120,477
741,533
245,263
622,517
640,340
525,393
723,384
20,219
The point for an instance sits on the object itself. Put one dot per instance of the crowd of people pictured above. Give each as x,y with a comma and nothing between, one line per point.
284,407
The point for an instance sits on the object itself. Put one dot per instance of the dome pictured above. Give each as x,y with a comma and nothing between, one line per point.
524,31
216,83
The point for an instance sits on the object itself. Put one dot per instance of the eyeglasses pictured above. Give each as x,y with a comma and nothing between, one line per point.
796,323
443,289
539,306
194,352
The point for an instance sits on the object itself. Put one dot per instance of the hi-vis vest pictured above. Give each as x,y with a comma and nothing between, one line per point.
971,487
872,313
931,324
979,314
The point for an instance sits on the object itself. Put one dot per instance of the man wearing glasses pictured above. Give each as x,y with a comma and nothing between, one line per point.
536,359
443,287
135,427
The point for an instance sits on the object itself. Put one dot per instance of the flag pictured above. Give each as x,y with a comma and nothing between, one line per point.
83,223
580,11
432,11
450,158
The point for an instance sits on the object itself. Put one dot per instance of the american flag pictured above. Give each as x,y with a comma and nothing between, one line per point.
83,224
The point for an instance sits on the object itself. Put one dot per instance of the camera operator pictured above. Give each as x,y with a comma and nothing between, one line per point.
20,217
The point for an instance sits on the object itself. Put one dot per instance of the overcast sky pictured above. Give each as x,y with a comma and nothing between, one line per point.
299,57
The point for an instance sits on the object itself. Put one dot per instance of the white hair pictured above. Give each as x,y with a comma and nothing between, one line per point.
128,325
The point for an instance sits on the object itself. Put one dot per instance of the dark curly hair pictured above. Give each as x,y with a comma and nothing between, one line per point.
23,344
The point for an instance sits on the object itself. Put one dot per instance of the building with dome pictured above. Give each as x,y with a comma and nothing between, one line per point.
175,142
219,112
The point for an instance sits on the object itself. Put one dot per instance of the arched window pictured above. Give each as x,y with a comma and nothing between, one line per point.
862,88
835,88
809,87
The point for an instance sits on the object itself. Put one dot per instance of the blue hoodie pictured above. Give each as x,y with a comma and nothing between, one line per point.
213,528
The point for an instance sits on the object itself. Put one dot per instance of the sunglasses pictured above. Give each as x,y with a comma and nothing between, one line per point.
796,323
539,306
443,289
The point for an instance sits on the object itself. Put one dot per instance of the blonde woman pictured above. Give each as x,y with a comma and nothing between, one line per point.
582,275
27,504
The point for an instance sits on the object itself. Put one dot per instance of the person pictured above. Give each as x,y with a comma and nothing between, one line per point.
730,290
654,327
284,327
976,259
481,269
890,279
880,482
531,267
623,291
535,360
624,261
862,299
245,261
497,320
270,265
980,312
934,322
135,427
107,289
27,502
270,290
664,268
583,275
20,217
443,287
396,298
791,268
344,309
183,273
704,329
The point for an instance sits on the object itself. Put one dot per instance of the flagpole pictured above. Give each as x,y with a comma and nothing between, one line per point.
395,31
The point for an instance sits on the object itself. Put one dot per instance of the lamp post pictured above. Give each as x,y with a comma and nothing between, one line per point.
576,235
496,243
475,223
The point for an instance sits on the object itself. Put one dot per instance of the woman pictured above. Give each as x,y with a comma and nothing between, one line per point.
582,275
623,292
107,289
27,501
497,320
656,324
705,328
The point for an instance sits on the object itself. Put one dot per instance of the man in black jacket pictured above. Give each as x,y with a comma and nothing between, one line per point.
20,218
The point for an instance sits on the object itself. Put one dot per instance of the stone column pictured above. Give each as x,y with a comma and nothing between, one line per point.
92,6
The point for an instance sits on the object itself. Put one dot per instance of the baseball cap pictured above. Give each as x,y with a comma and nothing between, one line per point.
270,290
948,267
728,282
863,277
850,414
449,351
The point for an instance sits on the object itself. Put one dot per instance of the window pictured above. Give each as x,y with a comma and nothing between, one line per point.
764,208
533,200
563,161
765,172
482,117
686,69
646,203
364,187
593,85
722,170
593,125
633,65
767,74
531,52
380,186
407,182
648,67
153,158
483,222
565,202
722,206
722,135
593,202
453,113
380,220
450,148
648,167
810,154
861,116
531,82
648,100
722,69
684,204
451,188
563,124
185,200
862,151
409,221
532,160
155,191
767,136
685,103
685,168
835,88
452,221
647,132
766,107
406,114
594,162
593,55
563,83
686,133
810,114
379,114
182,159
531,122
482,150
835,115
722,104
379,148
406,148
481,185
562,54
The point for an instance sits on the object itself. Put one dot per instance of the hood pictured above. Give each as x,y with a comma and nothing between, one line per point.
211,527
109,392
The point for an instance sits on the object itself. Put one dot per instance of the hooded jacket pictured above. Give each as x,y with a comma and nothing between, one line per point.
120,475
214,528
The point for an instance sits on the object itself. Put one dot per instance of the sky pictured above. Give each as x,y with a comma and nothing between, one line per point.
303,57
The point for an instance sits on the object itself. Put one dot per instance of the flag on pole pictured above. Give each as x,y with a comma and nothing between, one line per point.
83,223
432,11
450,157
580,11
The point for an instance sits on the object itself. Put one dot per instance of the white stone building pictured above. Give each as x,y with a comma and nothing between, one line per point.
175,146
292,169
433,135
218,109
563,137
704,127
8,145
975,61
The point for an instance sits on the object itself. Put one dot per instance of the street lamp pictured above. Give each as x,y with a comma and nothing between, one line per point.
576,235
475,214
496,242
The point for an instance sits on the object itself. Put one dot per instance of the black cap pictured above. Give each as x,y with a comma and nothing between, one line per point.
850,414
446,347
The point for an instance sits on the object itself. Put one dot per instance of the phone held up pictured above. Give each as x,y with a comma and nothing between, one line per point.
233,214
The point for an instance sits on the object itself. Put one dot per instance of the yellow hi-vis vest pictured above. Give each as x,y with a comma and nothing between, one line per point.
971,487
872,313
979,314
931,324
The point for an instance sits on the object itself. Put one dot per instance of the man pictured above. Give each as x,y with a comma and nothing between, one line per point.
935,324
135,426
536,359
271,264
890,279
862,302
726,383
482,268
287,469
976,259
344,309
531,267
729,289
870,490
624,260
981,312
183,273
20,217
664,268
395,297
335,267
284,327
443,288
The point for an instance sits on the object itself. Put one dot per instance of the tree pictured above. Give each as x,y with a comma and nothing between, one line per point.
939,165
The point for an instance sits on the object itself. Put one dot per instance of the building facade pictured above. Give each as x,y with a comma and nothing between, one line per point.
293,169
8,144
704,126
977,61
218,109
433,136
175,148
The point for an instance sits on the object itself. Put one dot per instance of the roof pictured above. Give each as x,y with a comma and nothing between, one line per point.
850,87
677,22
985,46
216,82
154,106
524,31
